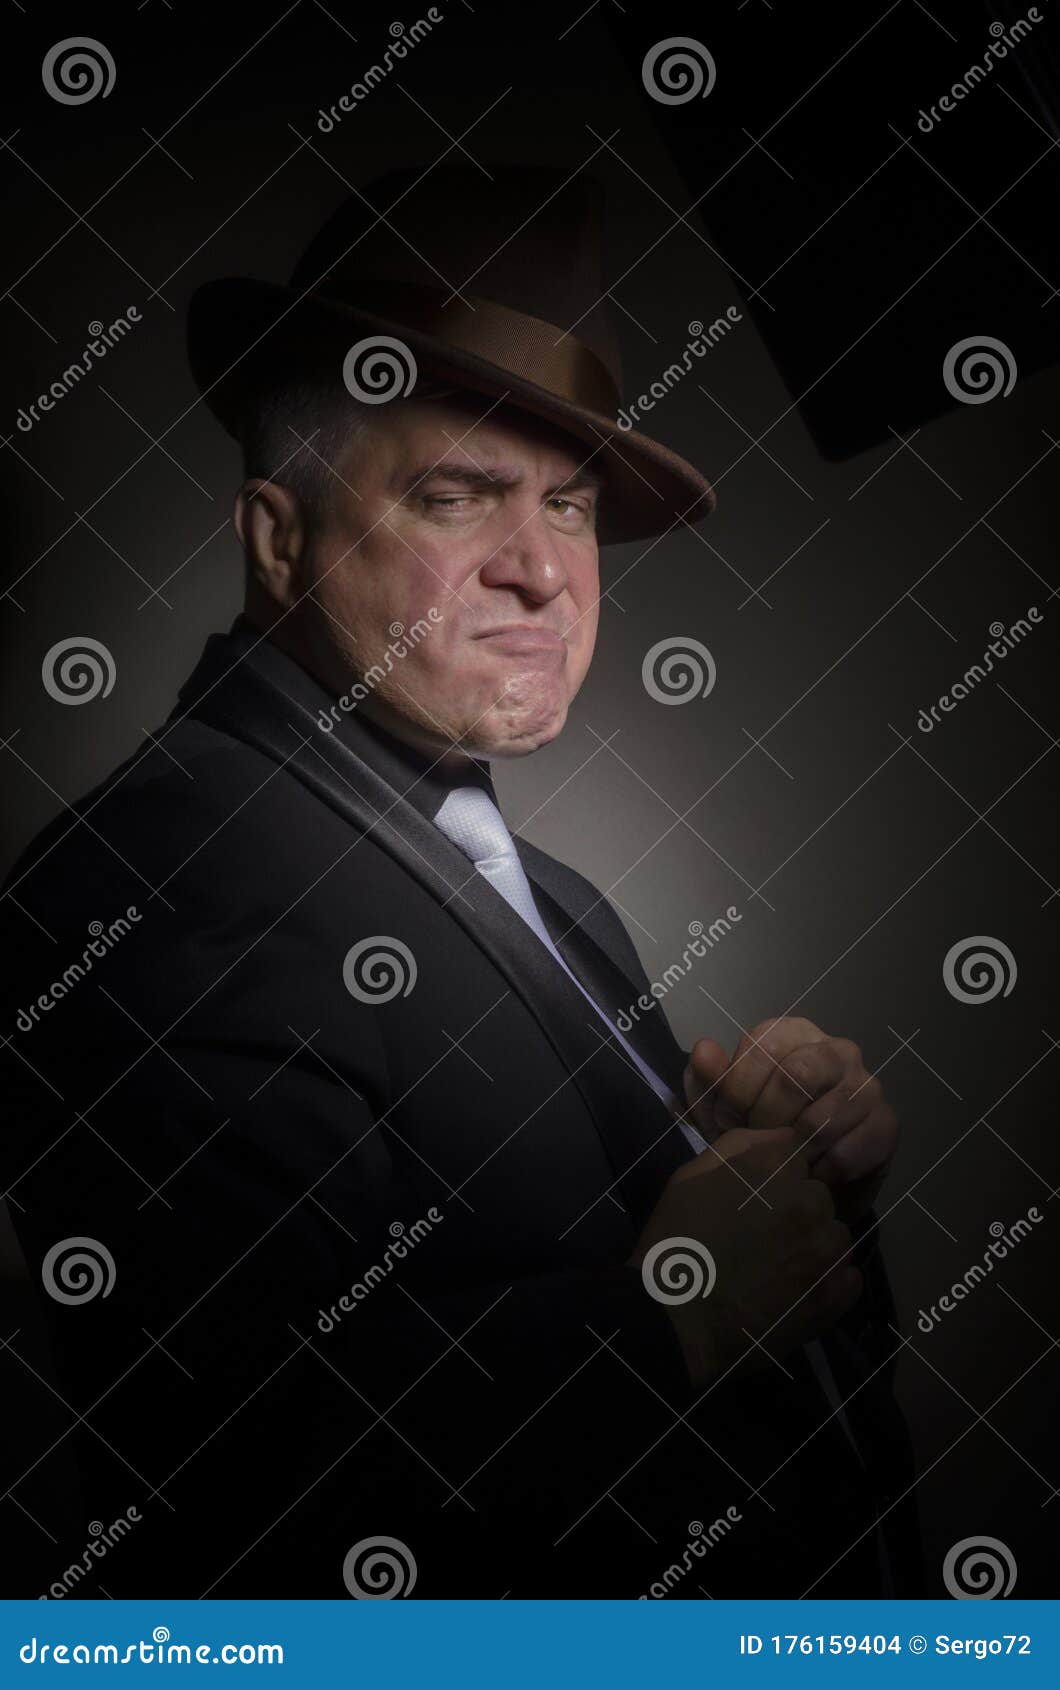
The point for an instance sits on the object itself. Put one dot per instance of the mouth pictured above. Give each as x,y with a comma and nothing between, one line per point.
523,637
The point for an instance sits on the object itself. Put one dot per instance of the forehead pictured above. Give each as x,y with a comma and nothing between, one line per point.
479,433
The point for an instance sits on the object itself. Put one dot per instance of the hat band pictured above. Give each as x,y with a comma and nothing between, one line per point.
525,346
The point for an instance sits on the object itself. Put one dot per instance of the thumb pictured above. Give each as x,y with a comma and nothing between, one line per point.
707,1063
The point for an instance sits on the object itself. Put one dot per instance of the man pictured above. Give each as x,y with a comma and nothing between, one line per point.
378,1259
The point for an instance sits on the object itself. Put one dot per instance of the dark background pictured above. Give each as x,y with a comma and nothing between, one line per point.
869,532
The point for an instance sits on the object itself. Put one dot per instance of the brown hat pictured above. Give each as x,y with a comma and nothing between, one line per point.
492,281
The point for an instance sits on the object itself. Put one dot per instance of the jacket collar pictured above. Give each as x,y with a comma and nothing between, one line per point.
238,688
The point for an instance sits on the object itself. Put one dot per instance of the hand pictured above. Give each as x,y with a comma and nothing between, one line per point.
781,1266
786,1072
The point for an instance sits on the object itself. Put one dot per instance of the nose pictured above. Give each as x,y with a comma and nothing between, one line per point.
530,561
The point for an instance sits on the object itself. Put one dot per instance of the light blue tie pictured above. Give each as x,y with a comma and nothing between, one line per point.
471,819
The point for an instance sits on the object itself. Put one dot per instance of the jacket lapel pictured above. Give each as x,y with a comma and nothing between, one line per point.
643,1146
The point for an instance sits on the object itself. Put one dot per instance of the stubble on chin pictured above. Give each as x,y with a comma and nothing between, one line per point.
530,713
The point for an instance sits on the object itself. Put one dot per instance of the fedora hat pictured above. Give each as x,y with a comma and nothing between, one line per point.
490,282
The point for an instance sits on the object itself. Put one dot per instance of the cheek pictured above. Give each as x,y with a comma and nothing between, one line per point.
583,636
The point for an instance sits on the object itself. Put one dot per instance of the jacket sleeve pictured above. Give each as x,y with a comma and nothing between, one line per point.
231,1264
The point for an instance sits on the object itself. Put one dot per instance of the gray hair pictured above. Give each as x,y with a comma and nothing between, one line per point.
297,433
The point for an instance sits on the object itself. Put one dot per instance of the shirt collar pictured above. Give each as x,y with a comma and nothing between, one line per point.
414,774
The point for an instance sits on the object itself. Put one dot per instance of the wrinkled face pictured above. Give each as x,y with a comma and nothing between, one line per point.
460,559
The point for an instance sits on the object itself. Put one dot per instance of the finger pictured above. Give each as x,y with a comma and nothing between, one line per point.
756,1056
763,1152
835,1113
796,1081
770,1159
863,1150
806,1208
706,1064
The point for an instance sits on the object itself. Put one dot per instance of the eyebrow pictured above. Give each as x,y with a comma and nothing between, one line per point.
470,475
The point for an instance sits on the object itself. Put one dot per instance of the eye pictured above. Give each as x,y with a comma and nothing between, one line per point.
449,501
572,509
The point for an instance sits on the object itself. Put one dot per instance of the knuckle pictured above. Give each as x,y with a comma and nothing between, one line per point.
762,1029
800,1069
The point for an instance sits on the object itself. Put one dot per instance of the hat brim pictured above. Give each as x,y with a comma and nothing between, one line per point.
244,335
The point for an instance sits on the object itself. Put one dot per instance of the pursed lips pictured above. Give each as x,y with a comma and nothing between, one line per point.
524,636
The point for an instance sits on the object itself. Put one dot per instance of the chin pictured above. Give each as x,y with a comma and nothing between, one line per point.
519,732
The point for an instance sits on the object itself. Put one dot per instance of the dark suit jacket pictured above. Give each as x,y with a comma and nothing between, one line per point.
249,1141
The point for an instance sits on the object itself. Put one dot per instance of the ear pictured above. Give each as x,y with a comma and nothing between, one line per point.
272,529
